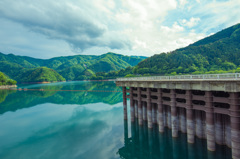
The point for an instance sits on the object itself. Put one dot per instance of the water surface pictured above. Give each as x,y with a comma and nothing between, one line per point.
83,124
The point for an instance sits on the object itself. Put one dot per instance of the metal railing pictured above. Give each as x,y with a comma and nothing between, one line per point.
226,76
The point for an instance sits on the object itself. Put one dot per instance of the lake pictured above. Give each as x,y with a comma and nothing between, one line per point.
75,120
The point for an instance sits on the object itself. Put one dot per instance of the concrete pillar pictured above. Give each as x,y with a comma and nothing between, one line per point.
227,131
154,113
199,125
189,112
174,118
132,105
136,109
204,125
165,116
124,103
183,120
140,114
160,111
144,107
235,124
219,132
149,108
169,123
210,121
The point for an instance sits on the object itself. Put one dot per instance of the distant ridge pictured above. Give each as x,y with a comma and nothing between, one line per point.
69,67
218,53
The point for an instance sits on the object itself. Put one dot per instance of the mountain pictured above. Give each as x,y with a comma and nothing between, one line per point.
41,74
70,67
5,80
218,53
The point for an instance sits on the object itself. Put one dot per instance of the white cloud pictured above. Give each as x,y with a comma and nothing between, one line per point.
80,23
217,14
16,39
144,11
191,23
182,3
97,26
143,20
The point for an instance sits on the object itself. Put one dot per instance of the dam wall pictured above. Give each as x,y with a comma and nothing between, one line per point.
203,108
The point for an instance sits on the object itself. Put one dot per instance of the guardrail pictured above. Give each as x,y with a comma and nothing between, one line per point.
227,76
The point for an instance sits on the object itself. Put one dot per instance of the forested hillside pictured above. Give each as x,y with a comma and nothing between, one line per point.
5,80
40,74
70,67
219,53
215,54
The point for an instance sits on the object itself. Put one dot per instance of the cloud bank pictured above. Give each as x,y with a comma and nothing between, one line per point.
140,27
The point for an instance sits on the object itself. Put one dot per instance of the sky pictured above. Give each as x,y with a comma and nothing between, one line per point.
46,29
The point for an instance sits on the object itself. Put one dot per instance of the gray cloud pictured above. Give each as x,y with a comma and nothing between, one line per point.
80,23
44,28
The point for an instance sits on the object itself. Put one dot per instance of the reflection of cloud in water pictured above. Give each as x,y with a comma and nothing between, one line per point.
57,131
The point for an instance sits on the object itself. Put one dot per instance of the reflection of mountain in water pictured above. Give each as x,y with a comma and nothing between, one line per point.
23,99
4,94
147,143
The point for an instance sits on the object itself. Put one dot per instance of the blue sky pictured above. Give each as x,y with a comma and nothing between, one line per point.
46,29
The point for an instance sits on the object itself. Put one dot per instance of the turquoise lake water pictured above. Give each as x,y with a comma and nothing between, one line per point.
84,125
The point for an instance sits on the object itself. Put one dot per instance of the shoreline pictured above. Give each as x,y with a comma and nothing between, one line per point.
7,86
64,81
13,86
39,82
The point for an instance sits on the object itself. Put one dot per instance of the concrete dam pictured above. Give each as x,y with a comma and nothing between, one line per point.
203,106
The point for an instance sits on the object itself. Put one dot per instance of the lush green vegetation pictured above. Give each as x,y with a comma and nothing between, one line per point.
5,80
219,53
41,74
78,67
